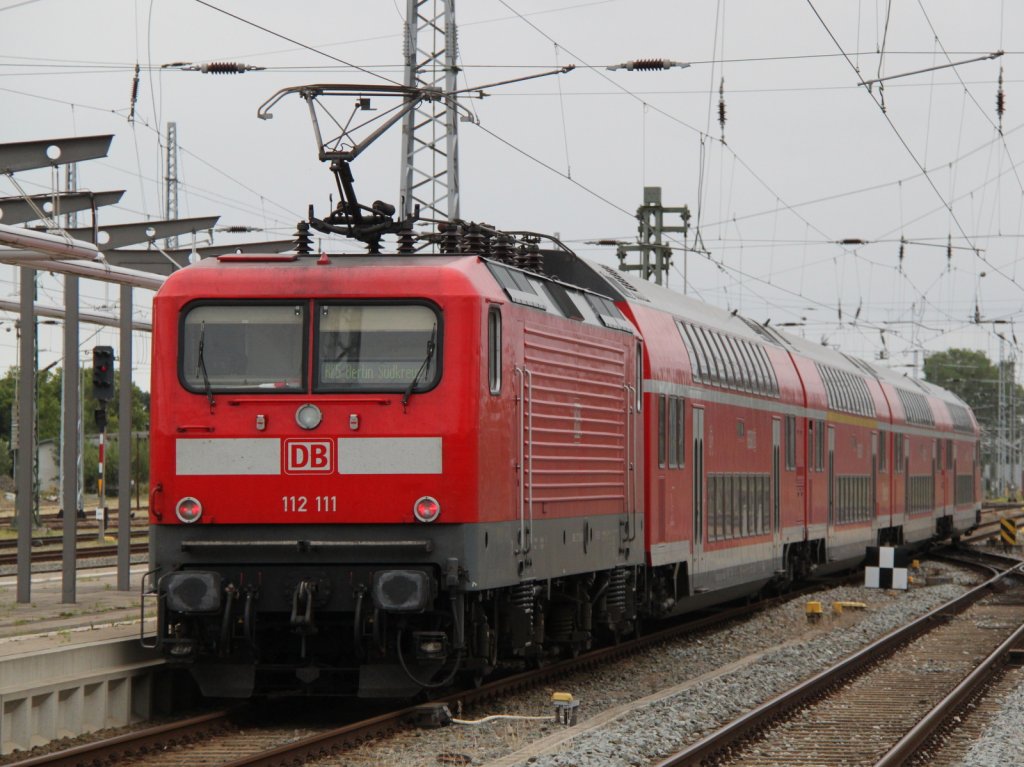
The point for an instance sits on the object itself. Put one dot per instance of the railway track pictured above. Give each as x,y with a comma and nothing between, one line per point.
230,738
888,702
83,554
39,541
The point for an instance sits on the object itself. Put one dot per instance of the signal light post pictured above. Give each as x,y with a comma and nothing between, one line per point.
103,391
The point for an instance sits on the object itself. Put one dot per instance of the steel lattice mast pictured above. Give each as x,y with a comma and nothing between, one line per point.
171,181
430,140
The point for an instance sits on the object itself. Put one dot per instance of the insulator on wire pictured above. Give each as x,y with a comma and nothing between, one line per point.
222,68
1000,100
949,252
721,107
903,244
135,95
647,65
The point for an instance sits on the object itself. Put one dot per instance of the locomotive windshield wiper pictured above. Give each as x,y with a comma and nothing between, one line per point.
431,343
201,365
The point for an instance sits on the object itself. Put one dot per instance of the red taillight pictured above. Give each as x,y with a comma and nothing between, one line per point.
426,509
189,510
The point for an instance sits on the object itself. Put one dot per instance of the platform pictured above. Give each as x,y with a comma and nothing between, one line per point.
71,668
100,611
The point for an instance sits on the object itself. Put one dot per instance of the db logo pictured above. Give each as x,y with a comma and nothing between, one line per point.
307,456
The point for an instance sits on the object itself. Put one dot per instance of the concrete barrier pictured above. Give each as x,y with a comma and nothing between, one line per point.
64,692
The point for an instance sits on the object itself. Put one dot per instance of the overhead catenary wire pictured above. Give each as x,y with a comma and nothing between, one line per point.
743,163
296,42
736,217
998,127
947,205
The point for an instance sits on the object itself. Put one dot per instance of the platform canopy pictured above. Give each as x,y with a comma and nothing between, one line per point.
18,210
30,155
156,262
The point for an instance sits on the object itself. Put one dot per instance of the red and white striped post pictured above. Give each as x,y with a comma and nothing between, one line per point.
101,516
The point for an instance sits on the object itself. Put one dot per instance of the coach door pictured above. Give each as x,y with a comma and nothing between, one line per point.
698,487
874,475
831,475
776,476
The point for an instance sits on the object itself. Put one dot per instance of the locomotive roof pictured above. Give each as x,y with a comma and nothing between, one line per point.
567,267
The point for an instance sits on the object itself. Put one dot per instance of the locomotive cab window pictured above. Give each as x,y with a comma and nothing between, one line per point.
377,347
241,347
494,350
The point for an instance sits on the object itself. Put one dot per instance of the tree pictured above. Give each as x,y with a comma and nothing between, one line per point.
972,376
48,410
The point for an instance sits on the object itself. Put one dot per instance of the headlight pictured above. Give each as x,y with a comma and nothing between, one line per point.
191,591
401,591
426,509
308,416
189,510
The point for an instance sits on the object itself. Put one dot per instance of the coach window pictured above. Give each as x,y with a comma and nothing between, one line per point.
494,349
243,347
734,362
715,366
883,438
753,381
676,433
673,444
662,430
381,347
724,366
758,384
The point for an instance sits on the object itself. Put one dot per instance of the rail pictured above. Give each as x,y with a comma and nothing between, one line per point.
320,744
708,749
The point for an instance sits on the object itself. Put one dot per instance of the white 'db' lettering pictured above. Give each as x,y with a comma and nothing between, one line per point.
308,456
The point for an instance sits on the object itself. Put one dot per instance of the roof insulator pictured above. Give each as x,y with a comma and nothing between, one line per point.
303,240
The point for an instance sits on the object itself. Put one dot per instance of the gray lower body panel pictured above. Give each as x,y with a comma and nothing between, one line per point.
490,555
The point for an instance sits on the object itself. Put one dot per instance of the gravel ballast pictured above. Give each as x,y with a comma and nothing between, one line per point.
649,705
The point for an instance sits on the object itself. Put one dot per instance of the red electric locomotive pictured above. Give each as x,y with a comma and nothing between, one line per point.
367,470
373,474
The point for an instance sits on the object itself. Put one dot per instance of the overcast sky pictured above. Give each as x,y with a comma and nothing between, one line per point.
809,158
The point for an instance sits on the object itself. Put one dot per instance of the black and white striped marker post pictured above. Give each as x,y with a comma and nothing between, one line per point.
887,567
